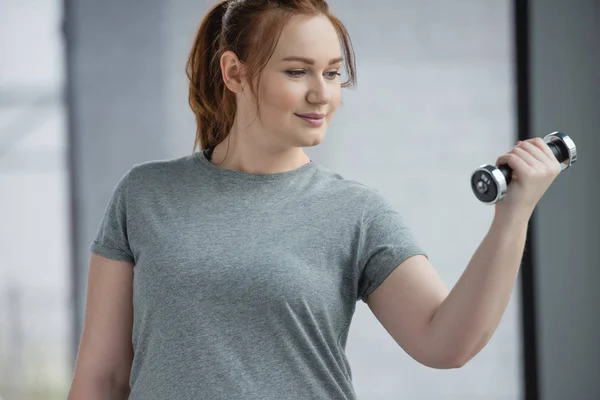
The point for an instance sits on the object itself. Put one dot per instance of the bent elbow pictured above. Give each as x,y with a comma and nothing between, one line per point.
445,361
452,364
459,363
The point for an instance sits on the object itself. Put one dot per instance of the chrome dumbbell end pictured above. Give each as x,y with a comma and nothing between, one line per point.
562,144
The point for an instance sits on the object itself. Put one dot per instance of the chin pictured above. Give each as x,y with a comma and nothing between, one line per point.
311,140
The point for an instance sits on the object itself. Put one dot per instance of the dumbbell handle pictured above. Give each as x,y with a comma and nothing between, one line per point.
560,151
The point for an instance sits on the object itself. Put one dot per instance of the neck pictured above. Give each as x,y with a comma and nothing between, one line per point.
239,153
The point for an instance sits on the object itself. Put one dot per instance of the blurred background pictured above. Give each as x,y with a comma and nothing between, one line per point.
36,308
87,89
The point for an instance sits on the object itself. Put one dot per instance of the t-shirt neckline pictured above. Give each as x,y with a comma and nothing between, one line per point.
202,160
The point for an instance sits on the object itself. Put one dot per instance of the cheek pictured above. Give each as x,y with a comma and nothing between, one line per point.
283,97
336,97
287,100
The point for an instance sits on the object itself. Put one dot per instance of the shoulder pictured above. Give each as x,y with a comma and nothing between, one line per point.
368,201
346,190
151,177
160,169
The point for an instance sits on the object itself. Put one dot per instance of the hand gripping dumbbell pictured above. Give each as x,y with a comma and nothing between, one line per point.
490,183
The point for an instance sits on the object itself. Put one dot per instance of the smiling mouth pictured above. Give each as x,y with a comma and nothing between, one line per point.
315,122
312,115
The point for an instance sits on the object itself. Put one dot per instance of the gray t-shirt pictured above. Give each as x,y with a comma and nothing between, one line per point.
245,285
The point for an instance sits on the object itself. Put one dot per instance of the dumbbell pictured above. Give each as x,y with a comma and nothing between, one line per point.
490,182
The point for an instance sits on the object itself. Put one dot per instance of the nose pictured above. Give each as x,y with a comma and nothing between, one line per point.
319,92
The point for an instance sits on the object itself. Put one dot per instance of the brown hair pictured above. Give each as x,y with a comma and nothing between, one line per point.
251,29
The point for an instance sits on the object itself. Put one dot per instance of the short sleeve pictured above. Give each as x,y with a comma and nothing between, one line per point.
111,239
385,241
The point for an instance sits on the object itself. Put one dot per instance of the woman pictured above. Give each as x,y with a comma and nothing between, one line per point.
233,273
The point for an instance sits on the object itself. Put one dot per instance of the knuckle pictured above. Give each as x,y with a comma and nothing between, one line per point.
527,174
557,168
518,150
551,170
541,173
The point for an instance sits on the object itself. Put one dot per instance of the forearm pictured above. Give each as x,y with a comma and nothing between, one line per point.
465,321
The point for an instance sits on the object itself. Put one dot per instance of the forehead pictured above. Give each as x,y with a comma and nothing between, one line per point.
314,37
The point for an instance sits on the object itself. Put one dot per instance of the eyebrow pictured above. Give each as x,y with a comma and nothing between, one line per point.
310,61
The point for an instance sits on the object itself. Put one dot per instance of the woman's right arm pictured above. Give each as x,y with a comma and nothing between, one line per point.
105,352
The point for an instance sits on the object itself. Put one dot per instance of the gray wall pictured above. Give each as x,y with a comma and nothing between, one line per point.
565,95
116,118
434,100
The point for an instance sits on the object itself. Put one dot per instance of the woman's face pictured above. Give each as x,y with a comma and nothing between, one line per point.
302,78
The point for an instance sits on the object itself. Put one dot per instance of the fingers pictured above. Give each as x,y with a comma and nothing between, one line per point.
551,162
515,162
526,154
535,151
530,156
543,146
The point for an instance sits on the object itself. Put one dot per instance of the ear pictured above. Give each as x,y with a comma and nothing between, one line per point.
232,71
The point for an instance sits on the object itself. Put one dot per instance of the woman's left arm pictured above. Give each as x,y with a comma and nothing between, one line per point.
467,318
445,329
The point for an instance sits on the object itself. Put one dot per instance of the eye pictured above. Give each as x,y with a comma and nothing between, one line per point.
333,74
297,73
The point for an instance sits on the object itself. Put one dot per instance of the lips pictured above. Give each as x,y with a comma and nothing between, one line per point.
311,121
312,115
